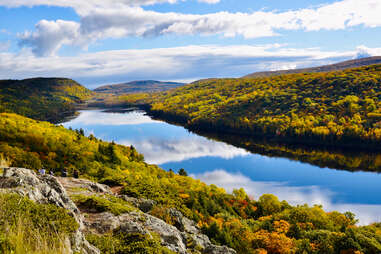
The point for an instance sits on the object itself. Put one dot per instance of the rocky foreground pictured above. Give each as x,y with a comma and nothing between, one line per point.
133,214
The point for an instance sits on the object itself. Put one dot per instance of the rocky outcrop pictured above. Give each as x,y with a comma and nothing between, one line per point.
142,223
213,249
145,205
183,223
191,233
184,237
75,185
45,189
137,222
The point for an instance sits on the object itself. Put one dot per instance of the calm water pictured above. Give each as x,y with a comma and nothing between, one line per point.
173,147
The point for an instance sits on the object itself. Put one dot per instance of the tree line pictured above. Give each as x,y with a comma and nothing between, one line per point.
338,109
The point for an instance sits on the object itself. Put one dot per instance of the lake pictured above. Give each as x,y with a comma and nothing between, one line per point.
231,167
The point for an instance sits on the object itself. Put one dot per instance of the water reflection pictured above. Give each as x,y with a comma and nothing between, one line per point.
159,142
348,159
101,117
161,151
312,195
262,170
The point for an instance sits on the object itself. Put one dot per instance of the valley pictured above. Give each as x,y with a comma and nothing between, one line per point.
190,127
291,173
286,164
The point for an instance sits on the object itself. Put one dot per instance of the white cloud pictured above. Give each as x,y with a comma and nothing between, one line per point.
4,46
82,5
209,1
186,62
294,195
363,51
105,20
50,36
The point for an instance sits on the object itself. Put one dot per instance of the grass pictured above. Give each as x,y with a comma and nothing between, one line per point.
4,163
29,228
21,239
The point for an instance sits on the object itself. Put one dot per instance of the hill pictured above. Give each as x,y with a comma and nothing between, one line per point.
337,109
265,225
42,98
144,86
325,68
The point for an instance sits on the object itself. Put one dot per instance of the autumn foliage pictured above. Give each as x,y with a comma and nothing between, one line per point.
261,225
339,109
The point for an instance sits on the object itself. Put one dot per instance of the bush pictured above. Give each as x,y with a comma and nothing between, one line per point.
122,243
102,204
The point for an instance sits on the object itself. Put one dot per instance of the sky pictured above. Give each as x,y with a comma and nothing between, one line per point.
101,42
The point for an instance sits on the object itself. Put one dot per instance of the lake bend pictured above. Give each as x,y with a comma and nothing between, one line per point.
216,162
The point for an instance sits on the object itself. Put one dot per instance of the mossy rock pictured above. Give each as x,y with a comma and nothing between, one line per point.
98,204
122,243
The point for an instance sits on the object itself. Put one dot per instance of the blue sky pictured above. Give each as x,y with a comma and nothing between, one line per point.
109,41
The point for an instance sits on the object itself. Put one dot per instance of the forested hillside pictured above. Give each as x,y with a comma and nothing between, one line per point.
338,109
143,86
249,225
42,98
325,68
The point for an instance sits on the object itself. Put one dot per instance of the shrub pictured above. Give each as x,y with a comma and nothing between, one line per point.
102,204
122,243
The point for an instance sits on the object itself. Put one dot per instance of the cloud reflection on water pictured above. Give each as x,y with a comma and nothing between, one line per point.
157,146
293,194
98,117
159,151
162,143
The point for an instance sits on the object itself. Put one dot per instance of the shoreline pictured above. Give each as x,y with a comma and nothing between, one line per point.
348,145
337,158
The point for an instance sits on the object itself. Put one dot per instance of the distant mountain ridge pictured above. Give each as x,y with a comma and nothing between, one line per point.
325,68
142,86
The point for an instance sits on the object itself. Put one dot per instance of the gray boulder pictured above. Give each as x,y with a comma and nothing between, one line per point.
74,184
214,249
182,223
45,189
145,205
137,222
142,223
191,233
